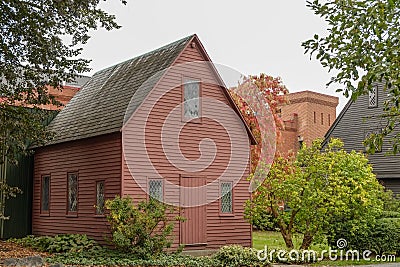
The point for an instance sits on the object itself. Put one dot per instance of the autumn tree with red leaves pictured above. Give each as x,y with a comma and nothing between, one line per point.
274,93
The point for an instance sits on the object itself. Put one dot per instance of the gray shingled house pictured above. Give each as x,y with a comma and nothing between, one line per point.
356,121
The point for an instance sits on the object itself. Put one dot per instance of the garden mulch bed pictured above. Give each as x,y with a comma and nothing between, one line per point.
12,250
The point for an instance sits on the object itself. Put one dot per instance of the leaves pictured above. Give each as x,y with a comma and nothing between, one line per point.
318,187
274,93
363,47
40,44
35,54
19,128
34,51
144,229
63,243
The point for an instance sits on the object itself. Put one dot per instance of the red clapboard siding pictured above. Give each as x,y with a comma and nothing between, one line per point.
100,158
220,230
94,159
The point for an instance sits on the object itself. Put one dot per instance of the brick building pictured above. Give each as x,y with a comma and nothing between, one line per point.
307,116
65,95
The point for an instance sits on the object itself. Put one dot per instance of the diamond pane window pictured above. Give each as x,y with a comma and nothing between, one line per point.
191,99
100,197
45,200
156,189
72,192
373,97
226,197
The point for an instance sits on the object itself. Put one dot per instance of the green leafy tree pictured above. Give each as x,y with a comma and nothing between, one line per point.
319,188
362,47
40,44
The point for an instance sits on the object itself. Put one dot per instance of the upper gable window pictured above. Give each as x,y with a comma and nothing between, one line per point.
373,97
191,94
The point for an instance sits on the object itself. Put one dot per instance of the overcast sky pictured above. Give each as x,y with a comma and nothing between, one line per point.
249,36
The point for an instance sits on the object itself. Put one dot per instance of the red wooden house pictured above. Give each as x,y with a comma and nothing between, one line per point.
97,152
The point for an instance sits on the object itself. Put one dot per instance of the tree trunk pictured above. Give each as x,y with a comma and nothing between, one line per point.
307,240
287,237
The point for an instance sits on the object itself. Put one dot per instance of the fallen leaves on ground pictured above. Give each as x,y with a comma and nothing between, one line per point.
12,250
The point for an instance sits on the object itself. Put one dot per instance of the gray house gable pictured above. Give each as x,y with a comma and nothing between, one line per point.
357,120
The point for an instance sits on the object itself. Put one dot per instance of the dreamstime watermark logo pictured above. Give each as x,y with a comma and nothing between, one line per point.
339,254
341,243
159,142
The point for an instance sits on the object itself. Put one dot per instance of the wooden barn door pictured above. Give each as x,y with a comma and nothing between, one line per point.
194,228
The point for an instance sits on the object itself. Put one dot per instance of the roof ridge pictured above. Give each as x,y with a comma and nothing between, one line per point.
164,47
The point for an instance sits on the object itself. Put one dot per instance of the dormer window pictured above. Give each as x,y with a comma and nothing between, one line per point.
191,98
373,97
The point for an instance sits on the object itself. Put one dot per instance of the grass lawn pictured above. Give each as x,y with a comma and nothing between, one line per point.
274,240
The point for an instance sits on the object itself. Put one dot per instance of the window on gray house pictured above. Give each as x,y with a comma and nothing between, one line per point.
156,189
226,197
72,192
45,199
100,197
191,94
373,97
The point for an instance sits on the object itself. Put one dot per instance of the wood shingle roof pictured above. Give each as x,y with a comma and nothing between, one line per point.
101,105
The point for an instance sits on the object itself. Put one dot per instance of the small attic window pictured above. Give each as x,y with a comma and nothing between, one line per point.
191,98
373,97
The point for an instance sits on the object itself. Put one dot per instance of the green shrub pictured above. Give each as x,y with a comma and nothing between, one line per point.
391,202
59,243
109,257
144,229
232,256
385,236
390,214
40,243
381,237
72,243
301,257
235,255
